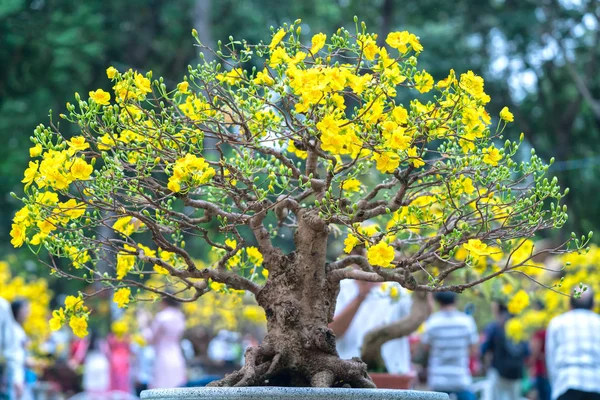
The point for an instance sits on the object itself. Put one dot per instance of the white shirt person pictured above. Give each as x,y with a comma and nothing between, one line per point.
362,307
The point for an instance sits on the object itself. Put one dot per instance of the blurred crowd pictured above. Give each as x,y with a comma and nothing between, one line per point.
447,353
165,354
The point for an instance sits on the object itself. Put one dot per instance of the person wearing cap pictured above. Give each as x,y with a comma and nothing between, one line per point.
450,336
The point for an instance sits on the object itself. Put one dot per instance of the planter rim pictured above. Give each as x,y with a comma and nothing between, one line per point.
298,393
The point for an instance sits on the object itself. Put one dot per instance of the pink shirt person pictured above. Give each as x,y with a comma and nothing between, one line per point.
165,335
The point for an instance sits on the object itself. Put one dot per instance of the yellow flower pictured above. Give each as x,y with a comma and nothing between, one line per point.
71,209
368,46
121,297
125,262
381,255
216,286
473,85
350,242
265,273
119,328
35,151
254,255
515,330
415,160
111,72
491,156
506,115
30,173
263,78
81,170
57,320
351,185
76,144
400,40
127,225
100,97
387,161
142,83
18,235
477,248
317,42
277,38
79,326
73,303
394,293
278,56
423,81
518,302
183,87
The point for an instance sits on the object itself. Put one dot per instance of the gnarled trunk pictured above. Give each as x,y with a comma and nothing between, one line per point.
299,301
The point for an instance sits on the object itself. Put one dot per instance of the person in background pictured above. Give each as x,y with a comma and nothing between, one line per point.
20,311
538,362
573,351
361,309
8,354
165,334
96,367
119,355
450,336
508,358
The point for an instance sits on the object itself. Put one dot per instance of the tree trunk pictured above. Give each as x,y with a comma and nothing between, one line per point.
299,302
419,312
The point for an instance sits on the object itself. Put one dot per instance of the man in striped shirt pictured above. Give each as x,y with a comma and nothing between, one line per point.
450,336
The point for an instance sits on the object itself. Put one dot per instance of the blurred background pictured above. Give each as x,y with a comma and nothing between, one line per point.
538,57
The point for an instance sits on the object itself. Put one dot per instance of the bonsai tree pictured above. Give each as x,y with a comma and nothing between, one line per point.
312,141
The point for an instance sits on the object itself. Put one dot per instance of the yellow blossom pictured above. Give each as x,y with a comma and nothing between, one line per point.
81,170
350,242
30,173
18,235
121,297
381,255
57,320
515,330
183,87
477,248
76,144
79,326
423,82
142,83
317,42
100,97
506,115
254,255
415,160
277,38
351,185
111,72
35,151
518,302
491,156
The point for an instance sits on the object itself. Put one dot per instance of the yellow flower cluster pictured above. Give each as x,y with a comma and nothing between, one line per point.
75,312
191,171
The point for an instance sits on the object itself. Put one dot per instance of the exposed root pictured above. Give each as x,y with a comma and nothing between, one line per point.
323,379
315,369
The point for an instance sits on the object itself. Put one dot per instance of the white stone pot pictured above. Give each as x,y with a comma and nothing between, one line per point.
260,393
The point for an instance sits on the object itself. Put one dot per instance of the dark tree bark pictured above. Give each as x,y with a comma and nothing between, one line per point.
299,301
